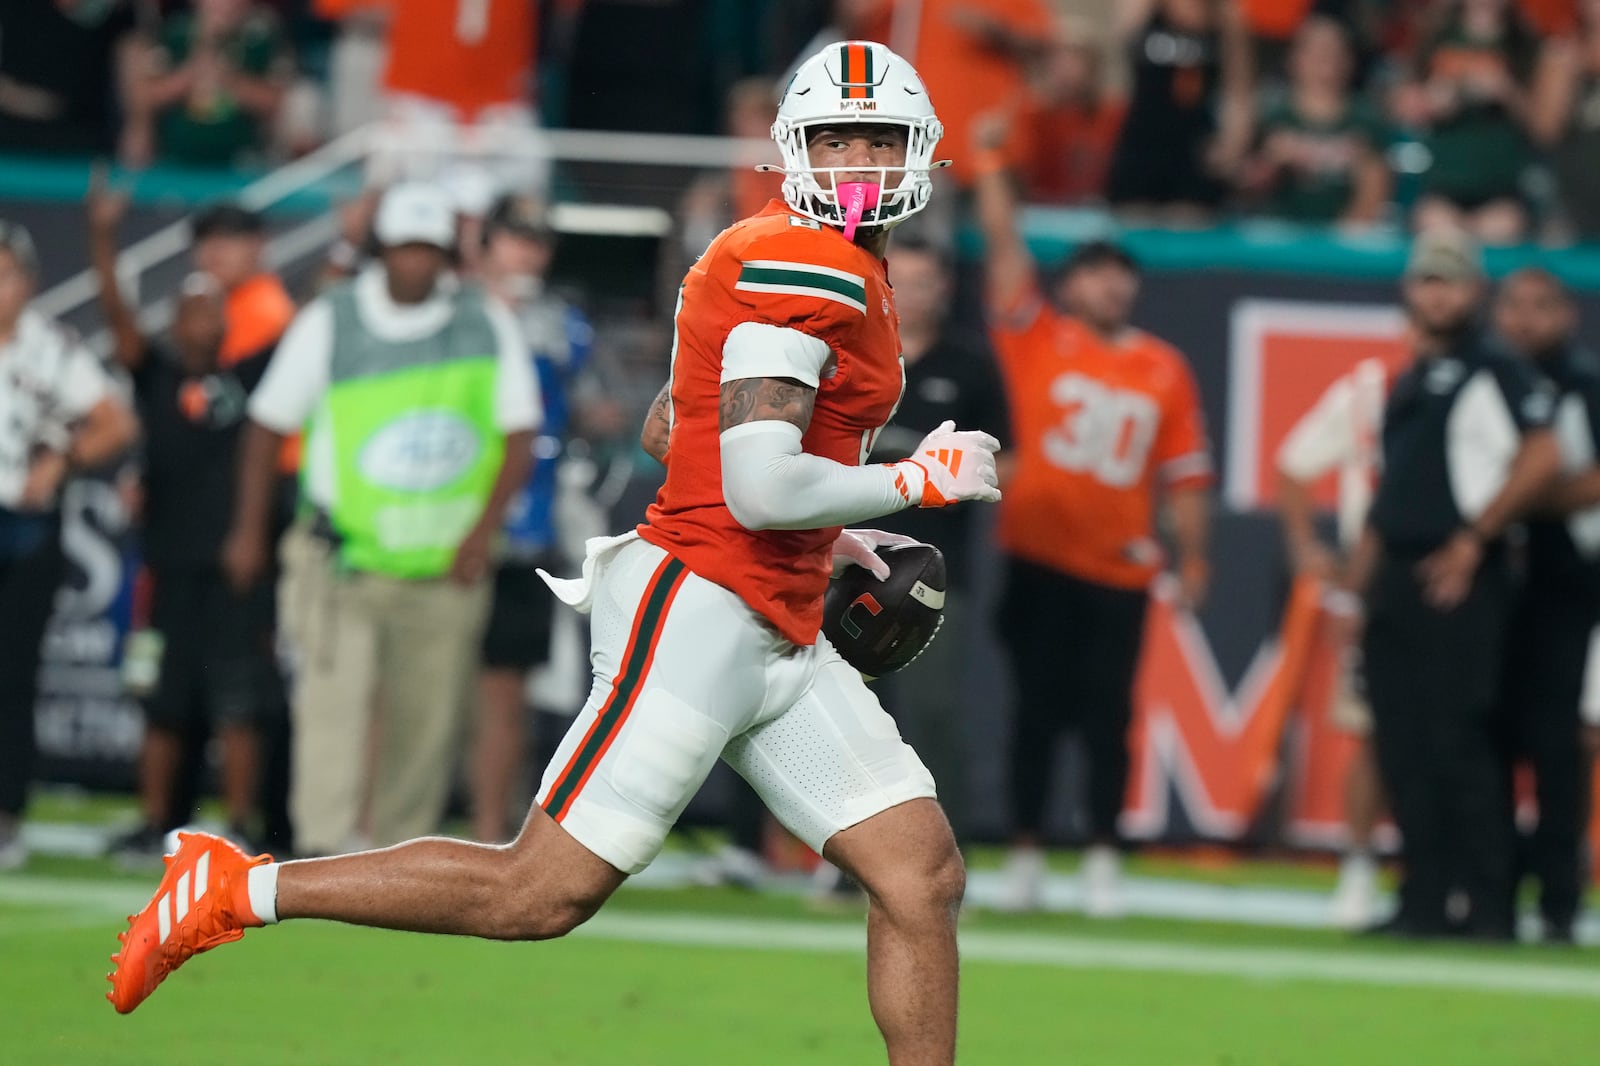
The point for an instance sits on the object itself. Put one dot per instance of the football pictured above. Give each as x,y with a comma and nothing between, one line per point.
880,626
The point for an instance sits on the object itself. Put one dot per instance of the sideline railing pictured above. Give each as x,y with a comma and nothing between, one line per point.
314,170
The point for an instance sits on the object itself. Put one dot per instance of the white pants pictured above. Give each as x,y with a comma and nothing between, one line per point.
685,672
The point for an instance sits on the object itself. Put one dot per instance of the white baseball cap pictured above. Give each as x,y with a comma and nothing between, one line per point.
416,213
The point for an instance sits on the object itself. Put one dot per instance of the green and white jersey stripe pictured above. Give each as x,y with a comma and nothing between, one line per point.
804,279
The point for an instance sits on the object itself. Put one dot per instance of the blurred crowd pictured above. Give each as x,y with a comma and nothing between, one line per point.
342,591
1352,113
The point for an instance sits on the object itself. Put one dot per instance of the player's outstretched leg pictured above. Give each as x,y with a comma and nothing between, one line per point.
541,885
906,858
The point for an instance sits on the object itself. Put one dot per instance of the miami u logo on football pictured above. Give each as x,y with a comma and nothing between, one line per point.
867,602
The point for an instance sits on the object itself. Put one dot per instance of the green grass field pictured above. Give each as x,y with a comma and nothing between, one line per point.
716,976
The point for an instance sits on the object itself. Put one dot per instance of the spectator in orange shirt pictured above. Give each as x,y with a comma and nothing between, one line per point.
229,243
1072,123
459,80
1105,423
971,55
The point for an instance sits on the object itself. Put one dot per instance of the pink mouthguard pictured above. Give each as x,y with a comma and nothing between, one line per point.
857,197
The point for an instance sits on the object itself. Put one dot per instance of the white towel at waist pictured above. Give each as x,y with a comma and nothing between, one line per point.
578,592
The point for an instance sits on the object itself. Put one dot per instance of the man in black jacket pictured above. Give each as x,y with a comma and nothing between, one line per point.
1558,606
1467,450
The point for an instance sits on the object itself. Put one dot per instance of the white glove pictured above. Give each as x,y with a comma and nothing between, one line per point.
953,465
858,547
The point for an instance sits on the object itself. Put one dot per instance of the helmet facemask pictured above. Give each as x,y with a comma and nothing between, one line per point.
845,86
809,190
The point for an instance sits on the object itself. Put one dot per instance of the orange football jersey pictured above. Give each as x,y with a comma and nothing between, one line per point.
780,269
1097,427
471,54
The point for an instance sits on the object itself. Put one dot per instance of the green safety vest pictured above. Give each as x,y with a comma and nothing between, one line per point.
411,427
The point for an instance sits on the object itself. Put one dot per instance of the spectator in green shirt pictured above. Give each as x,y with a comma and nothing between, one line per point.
211,86
1320,153
1470,99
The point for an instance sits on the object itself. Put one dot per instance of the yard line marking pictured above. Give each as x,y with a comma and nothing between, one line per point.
67,903
1081,952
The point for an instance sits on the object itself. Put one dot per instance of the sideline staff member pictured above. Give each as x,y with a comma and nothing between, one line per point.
1558,605
420,406
58,412
1466,449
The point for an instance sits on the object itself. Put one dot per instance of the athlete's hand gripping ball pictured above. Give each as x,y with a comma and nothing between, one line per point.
859,547
879,625
955,465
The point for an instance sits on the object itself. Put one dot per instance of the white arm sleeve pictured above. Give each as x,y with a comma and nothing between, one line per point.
297,376
1325,437
768,482
760,350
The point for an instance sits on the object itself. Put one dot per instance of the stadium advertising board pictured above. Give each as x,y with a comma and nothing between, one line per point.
88,728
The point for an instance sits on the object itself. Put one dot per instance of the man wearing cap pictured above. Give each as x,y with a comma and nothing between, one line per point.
1105,422
419,407
1466,450
58,412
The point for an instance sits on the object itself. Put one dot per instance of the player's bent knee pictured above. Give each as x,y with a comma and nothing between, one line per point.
935,885
541,894
556,920
947,885
525,917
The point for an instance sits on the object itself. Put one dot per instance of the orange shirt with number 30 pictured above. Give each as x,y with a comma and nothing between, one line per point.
1099,428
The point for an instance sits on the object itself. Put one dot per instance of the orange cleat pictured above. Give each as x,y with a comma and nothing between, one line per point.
203,901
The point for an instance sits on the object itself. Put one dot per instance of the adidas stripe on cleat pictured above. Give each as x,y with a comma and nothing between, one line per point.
203,901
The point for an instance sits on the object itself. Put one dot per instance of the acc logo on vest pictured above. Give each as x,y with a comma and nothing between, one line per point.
420,452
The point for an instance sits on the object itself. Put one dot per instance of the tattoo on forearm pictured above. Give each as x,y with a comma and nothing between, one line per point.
657,432
763,399
659,410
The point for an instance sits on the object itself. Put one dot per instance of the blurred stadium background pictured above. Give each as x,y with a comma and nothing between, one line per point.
641,149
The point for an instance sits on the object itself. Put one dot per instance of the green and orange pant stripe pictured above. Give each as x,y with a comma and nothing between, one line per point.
648,624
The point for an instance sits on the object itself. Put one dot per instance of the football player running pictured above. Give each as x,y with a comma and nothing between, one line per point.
705,619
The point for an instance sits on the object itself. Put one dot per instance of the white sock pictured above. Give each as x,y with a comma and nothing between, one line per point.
263,885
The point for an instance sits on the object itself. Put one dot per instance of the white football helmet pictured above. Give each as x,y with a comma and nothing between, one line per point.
848,83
